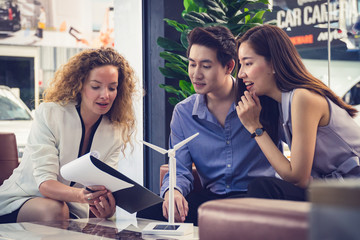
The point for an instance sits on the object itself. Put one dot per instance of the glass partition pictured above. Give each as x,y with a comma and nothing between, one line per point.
36,37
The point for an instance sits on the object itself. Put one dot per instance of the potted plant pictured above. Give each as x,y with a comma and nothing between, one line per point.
237,15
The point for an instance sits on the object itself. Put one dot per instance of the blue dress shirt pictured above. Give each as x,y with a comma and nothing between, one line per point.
226,158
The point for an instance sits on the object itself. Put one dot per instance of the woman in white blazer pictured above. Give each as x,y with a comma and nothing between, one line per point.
87,107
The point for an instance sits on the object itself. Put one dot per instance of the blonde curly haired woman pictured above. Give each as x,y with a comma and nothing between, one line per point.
88,106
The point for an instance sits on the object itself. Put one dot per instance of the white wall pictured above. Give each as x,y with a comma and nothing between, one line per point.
128,42
77,14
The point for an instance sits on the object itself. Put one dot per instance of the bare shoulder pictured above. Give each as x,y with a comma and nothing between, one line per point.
311,105
304,96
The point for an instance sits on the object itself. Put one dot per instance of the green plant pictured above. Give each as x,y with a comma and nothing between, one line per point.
234,14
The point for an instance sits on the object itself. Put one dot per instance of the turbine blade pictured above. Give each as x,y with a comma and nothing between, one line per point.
180,144
156,148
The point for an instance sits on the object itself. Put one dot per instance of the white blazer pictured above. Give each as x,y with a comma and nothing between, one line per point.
54,140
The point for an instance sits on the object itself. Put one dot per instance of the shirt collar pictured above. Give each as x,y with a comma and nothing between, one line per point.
200,109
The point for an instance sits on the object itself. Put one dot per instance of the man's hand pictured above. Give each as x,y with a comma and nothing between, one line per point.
181,206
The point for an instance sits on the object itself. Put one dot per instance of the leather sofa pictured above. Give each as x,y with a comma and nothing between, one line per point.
8,155
250,218
333,212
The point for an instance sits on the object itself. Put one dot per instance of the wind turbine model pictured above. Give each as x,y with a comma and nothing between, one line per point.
171,228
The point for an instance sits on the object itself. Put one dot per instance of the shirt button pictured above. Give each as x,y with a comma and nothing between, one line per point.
227,142
229,165
227,186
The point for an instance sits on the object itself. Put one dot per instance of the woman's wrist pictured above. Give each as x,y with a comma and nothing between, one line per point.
79,193
252,128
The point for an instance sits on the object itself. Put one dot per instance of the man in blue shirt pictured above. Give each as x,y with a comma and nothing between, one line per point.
225,155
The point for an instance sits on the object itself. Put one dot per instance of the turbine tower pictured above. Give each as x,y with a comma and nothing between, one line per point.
172,183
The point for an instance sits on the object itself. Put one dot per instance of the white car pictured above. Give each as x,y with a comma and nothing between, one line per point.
350,93
15,117
345,79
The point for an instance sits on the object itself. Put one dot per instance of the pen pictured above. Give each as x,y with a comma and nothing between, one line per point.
89,190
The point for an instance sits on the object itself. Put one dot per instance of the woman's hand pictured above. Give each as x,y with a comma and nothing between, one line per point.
248,111
101,200
92,193
104,206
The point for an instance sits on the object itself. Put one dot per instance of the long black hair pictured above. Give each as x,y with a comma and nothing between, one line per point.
275,46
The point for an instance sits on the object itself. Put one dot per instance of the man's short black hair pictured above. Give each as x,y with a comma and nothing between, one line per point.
218,38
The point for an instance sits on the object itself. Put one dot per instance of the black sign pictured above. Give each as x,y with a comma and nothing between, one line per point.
306,21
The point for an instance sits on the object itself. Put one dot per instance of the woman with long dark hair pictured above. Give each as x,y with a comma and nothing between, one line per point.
316,124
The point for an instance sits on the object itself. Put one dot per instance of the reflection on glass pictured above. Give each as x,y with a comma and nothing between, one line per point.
11,108
352,97
95,229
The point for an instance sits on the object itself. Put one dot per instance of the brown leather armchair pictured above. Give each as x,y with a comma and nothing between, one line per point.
197,183
8,155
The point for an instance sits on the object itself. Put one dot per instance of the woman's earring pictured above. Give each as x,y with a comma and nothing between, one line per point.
273,71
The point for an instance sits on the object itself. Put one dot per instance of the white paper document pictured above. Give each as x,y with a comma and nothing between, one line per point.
83,171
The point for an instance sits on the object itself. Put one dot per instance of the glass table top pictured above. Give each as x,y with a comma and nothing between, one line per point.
83,229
